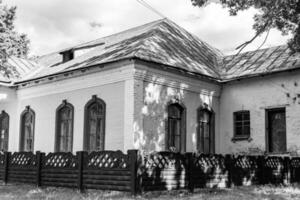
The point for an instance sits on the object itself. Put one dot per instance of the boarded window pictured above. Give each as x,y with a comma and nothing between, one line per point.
205,134
94,125
242,124
64,128
4,130
175,138
27,130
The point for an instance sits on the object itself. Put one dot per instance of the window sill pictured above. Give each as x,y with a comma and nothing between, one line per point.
247,138
285,153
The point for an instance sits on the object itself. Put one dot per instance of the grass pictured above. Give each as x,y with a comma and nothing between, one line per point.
17,191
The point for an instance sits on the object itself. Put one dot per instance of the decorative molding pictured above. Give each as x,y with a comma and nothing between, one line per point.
64,102
274,106
77,83
175,81
236,139
73,73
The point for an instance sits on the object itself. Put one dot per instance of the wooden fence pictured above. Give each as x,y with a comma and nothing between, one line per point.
166,170
106,170
114,170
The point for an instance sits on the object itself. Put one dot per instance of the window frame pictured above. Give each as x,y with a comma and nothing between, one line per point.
21,139
242,136
57,123
93,100
182,127
200,140
3,115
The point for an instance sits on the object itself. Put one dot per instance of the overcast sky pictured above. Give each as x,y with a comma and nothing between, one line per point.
55,24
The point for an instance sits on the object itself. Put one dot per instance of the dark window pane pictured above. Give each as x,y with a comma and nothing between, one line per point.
246,116
246,123
27,131
4,126
174,111
239,130
239,123
204,131
65,129
175,126
95,126
238,116
242,123
246,130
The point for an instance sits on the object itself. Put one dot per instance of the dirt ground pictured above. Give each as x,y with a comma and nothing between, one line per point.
17,191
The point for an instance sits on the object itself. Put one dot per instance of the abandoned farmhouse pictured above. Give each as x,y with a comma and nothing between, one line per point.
155,87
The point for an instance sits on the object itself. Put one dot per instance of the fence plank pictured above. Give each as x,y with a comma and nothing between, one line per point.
190,166
80,157
6,165
133,155
229,165
39,157
287,170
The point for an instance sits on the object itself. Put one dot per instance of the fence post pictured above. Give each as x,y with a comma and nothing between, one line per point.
39,163
80,156
229,166
190,167
6,166
287,170
261,166
133,159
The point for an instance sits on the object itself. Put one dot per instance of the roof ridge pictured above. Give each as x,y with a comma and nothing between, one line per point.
110,35
213,49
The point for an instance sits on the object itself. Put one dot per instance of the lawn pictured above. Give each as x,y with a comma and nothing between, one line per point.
17,191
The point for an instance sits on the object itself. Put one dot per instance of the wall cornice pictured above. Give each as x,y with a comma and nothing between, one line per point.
112,75
161,77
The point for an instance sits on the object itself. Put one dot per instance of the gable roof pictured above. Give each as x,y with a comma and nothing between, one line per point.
161,42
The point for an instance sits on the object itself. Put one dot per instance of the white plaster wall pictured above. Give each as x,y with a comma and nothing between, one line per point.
109,85
154,89
8,102
257,95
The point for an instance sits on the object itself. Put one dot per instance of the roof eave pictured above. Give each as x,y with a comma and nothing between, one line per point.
217,80
238,78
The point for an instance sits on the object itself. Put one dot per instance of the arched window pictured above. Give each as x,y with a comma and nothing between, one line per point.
205,133
27,130
64,127
176,128
94,128
4,131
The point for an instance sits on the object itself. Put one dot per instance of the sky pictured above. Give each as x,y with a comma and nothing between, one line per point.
52,25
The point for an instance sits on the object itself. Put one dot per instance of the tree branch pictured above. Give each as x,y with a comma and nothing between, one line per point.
242,46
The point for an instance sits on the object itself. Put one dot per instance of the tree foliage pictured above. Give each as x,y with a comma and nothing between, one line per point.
283,15
12,42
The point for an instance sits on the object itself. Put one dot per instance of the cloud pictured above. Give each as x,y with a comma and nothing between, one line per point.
95,24
52,25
